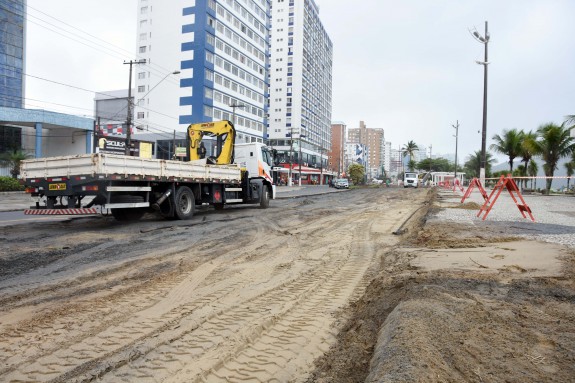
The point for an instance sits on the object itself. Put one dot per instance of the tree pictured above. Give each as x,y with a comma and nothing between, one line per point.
13,160
356,173
527,147
554,143
570,167
409,149
473,164
436,165
532,171
521,171
411,165
508,144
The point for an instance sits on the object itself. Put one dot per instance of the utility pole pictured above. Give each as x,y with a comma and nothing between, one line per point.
483,40
456,126
321,149
129,119
173,157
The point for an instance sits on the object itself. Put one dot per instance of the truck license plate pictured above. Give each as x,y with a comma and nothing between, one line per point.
57,187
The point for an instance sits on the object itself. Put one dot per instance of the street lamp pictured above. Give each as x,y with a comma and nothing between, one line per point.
483,40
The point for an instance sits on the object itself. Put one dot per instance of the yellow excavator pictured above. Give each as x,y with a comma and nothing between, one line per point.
225,135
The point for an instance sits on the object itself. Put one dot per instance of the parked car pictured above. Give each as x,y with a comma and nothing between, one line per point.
342,183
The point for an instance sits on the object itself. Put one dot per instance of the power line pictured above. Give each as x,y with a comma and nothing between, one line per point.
116,49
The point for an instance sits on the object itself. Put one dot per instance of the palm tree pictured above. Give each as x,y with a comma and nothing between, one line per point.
554,143
473,164
526,151
532,171
13,160
521,171
508,144
409,149
570,167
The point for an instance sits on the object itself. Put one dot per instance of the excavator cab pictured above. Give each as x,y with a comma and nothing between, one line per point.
224,134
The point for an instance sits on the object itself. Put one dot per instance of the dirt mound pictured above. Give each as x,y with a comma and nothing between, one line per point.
447,324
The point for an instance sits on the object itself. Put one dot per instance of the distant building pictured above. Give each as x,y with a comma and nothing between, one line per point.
374,140
336,154
12,53
387,157
300,91
356,153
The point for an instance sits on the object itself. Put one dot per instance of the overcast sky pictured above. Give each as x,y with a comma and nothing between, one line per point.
405,66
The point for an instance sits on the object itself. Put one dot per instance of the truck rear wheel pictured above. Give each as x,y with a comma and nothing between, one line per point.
265,198
184,203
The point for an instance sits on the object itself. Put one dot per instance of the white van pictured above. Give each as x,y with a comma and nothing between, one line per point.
410,180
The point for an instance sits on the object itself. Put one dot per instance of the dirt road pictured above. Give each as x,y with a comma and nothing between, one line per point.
239,295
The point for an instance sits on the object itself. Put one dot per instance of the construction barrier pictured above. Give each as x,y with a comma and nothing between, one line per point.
475,183
509,184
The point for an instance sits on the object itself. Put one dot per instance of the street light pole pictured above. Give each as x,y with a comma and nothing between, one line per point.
129,118
484,40
290,157
456,126
234,106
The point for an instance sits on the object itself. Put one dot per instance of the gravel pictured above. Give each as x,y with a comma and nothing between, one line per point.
554,216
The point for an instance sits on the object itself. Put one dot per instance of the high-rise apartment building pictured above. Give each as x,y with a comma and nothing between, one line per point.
12,48
300,82
220,48
374,140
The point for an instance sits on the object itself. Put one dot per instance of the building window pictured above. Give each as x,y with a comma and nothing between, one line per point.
210,39
209,75
143,49
142,75
141,88
140,115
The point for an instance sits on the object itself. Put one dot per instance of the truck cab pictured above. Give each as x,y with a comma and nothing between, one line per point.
257,160
410,180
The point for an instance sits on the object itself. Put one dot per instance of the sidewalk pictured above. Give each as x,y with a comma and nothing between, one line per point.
15,201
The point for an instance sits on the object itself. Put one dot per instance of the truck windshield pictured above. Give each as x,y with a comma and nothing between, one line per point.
267,157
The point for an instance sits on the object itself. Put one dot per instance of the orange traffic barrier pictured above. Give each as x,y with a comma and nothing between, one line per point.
475,183
509,184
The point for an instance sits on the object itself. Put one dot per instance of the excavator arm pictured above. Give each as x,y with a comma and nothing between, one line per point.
225,135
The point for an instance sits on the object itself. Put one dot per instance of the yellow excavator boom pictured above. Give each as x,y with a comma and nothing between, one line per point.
225,135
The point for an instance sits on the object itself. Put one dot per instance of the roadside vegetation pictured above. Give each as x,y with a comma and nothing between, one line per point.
10,184
550,143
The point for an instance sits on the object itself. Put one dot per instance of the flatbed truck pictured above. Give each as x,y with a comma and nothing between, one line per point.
128,187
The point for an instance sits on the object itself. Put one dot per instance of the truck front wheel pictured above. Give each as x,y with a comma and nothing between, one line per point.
265,198
184,203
